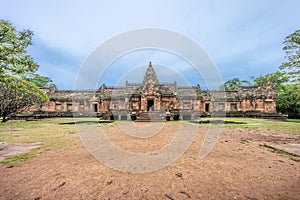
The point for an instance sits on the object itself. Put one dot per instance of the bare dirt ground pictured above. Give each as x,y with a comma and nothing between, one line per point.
237,168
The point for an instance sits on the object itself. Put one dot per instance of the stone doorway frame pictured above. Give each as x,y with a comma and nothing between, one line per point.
150,105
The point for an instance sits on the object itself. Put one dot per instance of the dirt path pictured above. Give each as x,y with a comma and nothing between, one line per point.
236,169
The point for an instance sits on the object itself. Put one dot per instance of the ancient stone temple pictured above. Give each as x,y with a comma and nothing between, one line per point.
152,100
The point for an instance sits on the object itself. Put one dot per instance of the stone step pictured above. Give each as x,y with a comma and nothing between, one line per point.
151,116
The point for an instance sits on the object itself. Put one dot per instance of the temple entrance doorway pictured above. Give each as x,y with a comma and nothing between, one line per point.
150,104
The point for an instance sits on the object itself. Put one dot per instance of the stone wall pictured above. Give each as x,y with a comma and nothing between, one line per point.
152,96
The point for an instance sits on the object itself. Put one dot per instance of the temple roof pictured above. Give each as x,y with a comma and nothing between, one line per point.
150,75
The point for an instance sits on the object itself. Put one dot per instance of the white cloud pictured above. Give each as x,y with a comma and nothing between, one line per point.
244,33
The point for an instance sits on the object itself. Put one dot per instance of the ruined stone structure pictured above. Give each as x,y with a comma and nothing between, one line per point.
154,100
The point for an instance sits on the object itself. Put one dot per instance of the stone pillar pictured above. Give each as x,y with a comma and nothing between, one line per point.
75,106
156,104
143,104
260,105
243,105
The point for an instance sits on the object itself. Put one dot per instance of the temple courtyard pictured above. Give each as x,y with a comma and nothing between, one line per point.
45,159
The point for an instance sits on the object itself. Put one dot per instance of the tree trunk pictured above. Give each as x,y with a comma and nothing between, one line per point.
4,119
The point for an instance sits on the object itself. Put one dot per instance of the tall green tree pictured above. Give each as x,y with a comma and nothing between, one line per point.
14,59
15,62
287,80
292,54
292,68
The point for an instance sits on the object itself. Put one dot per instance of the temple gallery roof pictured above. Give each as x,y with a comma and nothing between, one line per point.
150,86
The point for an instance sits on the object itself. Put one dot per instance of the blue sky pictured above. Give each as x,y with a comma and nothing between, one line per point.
242,38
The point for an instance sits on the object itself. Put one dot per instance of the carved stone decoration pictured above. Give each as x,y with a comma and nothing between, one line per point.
151,95
150,75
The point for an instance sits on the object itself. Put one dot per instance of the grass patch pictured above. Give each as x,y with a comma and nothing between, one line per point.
12,161
294,120
280,152
48,131
292,126
179,122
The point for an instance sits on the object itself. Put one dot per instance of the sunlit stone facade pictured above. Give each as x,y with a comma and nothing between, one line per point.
168,101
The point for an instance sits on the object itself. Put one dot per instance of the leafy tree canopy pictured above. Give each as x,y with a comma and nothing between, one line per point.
277,79
287,80
14,58
292,51
288,101
40,81
233,84
17,94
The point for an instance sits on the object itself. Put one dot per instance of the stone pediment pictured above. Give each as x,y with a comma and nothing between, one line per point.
150,89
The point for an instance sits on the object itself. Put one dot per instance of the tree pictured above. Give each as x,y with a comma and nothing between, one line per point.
287,100
290,94
277,79
292,51
15,93
287,80
14,58
234,83
38,80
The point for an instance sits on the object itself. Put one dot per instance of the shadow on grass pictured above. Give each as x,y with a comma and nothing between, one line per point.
87,122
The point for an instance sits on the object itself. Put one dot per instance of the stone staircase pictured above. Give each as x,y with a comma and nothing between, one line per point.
152,116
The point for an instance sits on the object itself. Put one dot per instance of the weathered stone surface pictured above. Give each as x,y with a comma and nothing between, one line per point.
119,103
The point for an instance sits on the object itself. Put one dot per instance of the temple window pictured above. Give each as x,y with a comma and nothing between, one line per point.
58,106
95,107
69,107
221,106
233,106
207,107
81,106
